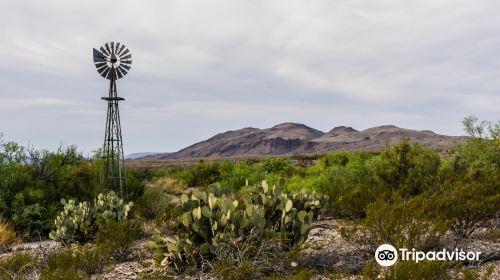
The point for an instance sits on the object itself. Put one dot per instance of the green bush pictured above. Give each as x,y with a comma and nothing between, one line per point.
202,174
468,206
280,166
155,203
17,266
134,187
32,183
410,270
78,261
397,222
475,273
408,169
119,236
484,144
230,270
299,274
61,275
254,256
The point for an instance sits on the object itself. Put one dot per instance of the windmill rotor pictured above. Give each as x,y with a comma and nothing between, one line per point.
113,60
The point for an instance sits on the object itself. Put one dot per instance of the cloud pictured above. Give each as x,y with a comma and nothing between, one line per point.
202,67
18,103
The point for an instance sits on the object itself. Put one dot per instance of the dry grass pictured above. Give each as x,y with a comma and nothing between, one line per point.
170,185
7,234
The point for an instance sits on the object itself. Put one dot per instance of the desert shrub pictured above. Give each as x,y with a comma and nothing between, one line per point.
243,173
32,183
279,166
483,144
154,203
468,206
397,222
247,257
82,261
299,274
353,180
156,274
134,187
78,222
202,174
470,188
61,275
7,234
119,236
167,184
205,220
30,219
230,270
469,273
352,202
17,266
93,260
346,177
421,270
409,169
494,236
370,271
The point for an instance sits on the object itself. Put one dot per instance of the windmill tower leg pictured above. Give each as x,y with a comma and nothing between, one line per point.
114,168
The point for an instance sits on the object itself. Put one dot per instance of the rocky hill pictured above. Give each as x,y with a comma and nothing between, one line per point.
296,139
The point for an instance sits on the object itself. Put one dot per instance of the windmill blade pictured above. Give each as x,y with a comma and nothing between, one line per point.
117,48
119,73
126,62
110,74
100,64
125,66
107,48
98,56
112,47
101,68
125,52
121,49
126,57
104,51
105,72
123,70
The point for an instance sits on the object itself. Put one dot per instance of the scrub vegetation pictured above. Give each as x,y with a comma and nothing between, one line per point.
243,220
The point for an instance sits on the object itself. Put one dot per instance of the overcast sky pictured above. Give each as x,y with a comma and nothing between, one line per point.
204,67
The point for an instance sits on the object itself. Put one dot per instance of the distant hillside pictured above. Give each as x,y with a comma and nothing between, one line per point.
294,139
139,155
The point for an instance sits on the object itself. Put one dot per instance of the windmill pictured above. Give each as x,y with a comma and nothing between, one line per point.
113,62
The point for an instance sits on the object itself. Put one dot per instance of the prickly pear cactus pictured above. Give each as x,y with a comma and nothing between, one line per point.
205,219
110,207
72,222
77,222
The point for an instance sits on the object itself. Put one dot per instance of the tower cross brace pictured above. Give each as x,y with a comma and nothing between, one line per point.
114,165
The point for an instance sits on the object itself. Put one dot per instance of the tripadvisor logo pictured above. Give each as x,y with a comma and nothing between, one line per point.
387,255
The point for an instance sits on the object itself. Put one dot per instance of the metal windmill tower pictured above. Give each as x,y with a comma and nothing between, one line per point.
113,61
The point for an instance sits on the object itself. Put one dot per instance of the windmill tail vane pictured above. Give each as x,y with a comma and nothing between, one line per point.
113,62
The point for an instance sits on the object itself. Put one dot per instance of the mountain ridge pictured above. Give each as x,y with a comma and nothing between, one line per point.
288,139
